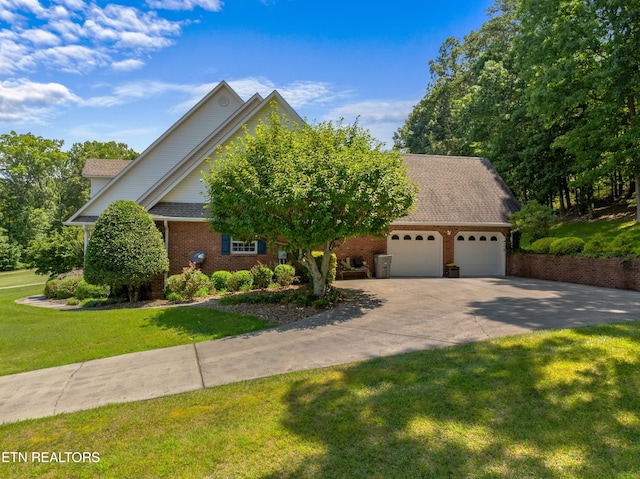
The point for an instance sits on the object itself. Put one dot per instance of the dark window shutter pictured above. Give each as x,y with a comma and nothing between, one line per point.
262,247
226,244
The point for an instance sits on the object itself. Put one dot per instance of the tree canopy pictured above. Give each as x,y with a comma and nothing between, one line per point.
41,186
548,91
306,187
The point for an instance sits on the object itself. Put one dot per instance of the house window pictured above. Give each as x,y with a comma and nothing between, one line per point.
483,238
431,238
493,238
407,237
240,247
395,237
460,238
472,238
419,238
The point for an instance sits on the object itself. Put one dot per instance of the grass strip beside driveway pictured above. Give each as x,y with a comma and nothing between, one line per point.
35,338
542,405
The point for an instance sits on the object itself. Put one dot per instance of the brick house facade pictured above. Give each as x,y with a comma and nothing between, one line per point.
457,195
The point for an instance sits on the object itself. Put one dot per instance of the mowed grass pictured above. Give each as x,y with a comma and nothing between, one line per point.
588,229
561,404
10,279
36,338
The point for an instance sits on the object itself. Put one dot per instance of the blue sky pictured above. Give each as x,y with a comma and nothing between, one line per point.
126,71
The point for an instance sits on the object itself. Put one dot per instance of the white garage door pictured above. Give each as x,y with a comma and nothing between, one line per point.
480,253
415,253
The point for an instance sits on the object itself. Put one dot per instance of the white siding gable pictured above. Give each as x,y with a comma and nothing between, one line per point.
97,184
191,188
169,149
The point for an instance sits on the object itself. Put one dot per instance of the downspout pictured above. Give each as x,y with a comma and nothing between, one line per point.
85,232
166,247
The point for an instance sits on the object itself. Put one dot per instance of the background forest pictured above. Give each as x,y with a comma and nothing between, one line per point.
548,91
40,187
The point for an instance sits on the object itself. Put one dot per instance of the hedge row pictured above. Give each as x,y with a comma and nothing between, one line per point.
598,246
193,283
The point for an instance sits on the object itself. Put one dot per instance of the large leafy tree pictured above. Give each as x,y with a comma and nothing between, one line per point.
581,61
125,249
41,185
30,170
306,187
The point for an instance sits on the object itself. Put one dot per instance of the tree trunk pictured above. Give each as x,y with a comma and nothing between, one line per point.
637,178
319,275
563,210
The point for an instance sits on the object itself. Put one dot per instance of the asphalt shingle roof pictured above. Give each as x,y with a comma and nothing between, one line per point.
95,167
458,190
178,210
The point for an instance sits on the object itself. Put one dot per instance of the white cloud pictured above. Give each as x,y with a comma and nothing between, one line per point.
41,37
381,117
211,5
134,91
12,53
71,58
25,101
375,110
68,30
297,94
127,65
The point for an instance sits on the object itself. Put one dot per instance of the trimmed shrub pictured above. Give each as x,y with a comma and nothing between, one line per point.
542,245
191,283
596,246
240,281
566,246
622,245
67,287
195,282
50,288
125,249
220,278
285,274
174,297
174,284
94,291
262,275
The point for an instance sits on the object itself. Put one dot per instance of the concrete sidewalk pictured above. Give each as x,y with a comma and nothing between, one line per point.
391,316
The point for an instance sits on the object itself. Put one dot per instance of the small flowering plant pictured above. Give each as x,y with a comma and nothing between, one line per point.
191,283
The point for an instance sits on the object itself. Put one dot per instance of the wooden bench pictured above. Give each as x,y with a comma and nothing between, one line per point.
361,271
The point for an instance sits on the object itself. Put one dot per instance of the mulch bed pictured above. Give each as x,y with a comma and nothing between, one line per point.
277,314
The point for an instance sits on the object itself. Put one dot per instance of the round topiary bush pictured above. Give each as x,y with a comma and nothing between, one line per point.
285,274
67,287
622,245
125,249
97,291
566,246
50,288
240,281
542,245
596,246
220,278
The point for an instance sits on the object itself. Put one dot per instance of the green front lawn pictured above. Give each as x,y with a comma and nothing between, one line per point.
17,278
561,404
36,338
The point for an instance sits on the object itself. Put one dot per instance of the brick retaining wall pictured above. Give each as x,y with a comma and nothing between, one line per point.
604,272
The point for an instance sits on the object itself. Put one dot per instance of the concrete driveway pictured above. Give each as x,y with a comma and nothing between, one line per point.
390,316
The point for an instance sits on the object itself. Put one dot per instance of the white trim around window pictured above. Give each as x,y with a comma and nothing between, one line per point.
241,247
